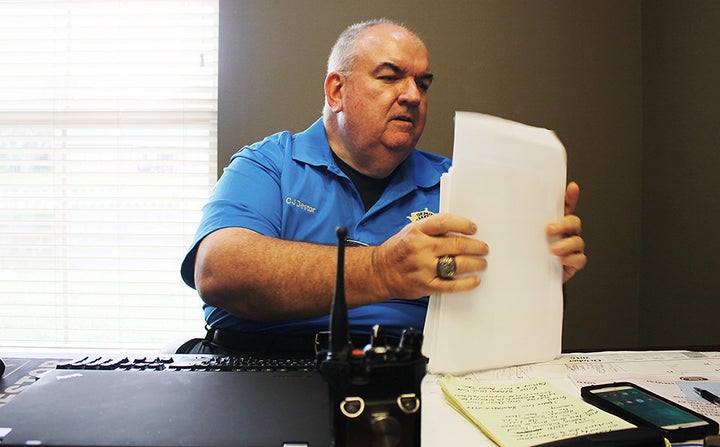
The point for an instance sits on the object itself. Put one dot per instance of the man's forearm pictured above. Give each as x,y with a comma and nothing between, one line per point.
263,278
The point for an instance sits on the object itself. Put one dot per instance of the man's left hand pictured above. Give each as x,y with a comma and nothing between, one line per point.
571,247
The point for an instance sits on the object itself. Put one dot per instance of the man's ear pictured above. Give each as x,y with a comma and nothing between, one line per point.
334,83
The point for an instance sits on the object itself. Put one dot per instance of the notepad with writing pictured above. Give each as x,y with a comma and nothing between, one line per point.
509,178
526,413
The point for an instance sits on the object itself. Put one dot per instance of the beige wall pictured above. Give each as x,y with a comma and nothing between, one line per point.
575,66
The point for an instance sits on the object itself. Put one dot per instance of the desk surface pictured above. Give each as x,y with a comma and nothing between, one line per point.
21,372
668,373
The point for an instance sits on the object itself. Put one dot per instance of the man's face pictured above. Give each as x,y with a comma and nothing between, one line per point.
385,95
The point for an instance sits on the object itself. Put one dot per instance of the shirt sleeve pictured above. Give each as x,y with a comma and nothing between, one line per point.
247,195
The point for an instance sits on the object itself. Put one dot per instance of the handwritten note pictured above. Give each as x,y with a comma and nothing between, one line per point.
526,413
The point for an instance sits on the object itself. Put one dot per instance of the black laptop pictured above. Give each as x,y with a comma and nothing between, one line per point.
169,408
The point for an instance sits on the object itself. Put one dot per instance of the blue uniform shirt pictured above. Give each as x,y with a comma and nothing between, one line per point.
289,187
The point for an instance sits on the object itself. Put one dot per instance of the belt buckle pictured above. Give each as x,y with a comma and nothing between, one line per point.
320,338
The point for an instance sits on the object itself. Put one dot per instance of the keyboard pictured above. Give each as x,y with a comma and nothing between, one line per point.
189,362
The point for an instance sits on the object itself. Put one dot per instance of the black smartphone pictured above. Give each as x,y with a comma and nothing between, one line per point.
647,409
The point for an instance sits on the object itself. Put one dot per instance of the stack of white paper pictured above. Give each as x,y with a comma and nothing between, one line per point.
510,179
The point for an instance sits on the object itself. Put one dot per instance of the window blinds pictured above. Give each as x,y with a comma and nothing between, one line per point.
108,118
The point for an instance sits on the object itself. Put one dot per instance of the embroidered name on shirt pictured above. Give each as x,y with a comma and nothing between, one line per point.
417,215
295,202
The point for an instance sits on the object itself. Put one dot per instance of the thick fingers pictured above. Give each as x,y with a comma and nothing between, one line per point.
572,264
572,194
568,245
460,284
571,251
571,247
470,264
466,277
466,265
406,264
565,226
444,223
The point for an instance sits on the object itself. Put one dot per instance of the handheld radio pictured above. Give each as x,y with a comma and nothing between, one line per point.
374,389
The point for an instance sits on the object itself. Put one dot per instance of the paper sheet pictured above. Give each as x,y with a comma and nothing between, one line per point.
526,413
510,179
660,371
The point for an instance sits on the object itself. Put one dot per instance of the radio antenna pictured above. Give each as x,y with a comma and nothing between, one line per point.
339,328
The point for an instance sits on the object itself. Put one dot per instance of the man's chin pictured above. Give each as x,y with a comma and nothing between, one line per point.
401,141
401,149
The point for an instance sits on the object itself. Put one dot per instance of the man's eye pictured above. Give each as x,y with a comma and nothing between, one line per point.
389,78
423,85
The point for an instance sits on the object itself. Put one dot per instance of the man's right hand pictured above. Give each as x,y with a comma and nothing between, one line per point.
406,264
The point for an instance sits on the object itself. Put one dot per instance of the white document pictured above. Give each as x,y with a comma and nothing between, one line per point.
671,374
509,178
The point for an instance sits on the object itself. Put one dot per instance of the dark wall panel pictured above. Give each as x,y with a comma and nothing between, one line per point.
680,299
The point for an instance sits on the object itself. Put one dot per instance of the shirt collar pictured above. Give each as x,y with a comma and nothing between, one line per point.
312,147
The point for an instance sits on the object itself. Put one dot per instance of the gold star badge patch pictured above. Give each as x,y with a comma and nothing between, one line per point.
417,215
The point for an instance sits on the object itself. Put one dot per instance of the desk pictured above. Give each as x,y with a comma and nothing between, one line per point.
146,402
668,373
22,371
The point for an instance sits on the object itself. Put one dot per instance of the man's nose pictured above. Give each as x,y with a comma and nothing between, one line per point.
410,93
